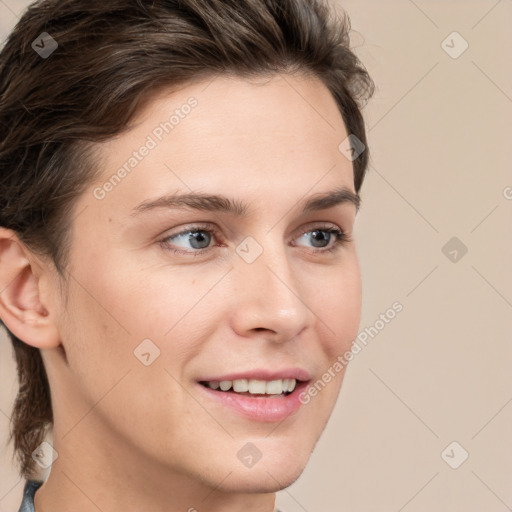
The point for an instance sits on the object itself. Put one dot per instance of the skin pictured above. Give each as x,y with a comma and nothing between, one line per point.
161,444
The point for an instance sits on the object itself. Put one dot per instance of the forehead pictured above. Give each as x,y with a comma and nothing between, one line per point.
239,134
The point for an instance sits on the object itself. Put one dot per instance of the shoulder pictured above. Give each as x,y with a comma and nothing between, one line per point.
27,504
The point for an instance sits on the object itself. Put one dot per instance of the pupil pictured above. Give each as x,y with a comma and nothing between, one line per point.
323,236
198,236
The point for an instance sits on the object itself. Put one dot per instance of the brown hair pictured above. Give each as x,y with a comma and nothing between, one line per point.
112,57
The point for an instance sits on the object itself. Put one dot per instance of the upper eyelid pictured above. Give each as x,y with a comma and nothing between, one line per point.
325,225
214,229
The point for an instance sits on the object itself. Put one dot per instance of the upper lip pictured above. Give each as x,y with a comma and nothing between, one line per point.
262,374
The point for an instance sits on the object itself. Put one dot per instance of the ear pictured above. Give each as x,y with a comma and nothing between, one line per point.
21,307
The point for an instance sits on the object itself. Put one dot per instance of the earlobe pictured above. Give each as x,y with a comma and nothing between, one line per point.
21,309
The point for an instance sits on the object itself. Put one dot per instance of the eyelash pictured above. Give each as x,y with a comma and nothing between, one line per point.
340,238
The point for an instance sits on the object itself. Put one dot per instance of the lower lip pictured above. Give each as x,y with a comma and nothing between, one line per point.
259,408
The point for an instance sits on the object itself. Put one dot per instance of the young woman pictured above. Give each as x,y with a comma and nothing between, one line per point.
178,188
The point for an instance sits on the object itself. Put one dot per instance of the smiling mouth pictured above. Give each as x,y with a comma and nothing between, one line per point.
253,387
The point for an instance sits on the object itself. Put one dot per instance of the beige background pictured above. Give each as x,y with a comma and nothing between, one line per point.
440,136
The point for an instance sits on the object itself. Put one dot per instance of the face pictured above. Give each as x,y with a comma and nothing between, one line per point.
167,295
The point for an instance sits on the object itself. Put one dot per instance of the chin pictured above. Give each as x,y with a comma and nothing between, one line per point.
264,479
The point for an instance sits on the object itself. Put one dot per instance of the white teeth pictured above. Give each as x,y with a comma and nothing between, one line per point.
274,387
241,385
255,386
289,384
225,385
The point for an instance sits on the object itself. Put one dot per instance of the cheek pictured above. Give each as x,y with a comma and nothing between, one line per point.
97,343
339,312
339,309
99,325
108,364
125,313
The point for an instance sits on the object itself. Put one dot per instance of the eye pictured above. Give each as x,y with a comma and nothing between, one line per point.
197,239
321,237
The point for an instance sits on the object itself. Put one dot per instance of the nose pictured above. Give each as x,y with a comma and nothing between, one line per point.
270,296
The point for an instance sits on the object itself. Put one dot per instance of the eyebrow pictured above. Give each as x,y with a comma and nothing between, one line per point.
223,204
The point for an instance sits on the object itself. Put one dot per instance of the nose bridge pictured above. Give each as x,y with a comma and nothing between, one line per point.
268,293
